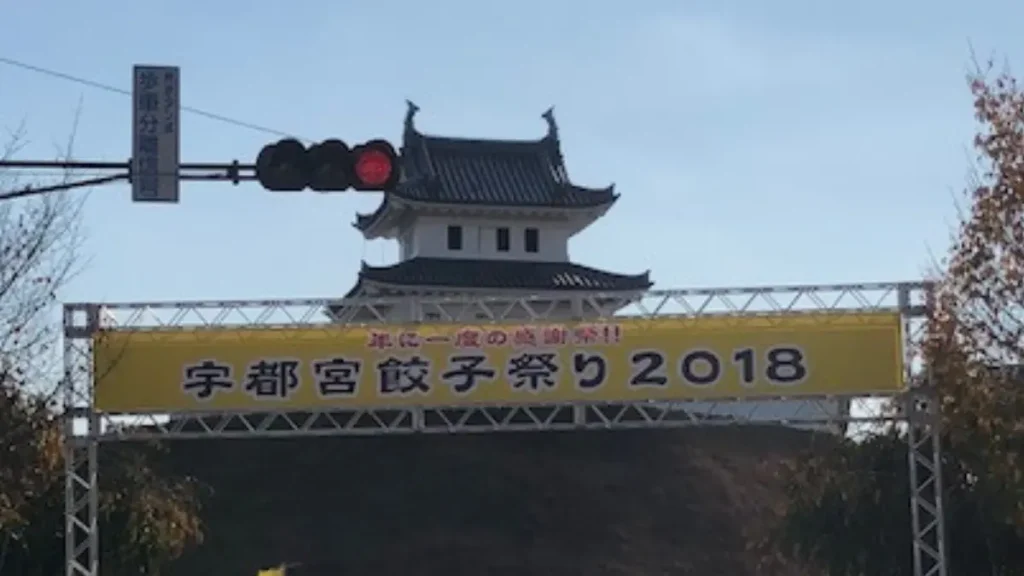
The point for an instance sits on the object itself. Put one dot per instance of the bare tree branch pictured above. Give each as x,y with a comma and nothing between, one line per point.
40,240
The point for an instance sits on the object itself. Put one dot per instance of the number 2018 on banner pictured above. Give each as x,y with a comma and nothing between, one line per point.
783,366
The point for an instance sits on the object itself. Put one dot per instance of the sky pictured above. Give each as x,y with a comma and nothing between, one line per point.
753,143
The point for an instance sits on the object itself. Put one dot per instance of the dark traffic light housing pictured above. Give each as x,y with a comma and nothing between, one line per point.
329,166
283,166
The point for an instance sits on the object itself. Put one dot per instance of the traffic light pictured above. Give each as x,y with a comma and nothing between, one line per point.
329,166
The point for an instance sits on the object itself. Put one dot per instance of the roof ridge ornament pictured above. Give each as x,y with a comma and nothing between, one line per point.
549,117
410,113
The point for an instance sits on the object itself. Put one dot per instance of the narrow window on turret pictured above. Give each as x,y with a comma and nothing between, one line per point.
455,237
503,240
531,240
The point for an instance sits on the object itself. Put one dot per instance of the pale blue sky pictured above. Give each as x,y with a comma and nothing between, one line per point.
752,142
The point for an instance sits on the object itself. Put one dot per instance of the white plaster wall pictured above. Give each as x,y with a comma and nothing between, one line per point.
428,237
406,245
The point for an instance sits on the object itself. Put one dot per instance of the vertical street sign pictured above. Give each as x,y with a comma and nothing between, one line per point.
156,133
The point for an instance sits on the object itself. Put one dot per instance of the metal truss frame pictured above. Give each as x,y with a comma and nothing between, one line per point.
86,428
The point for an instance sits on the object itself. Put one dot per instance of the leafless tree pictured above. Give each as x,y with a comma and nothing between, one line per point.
40,241
152,518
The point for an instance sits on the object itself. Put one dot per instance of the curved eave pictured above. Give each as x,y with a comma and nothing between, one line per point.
631,283
644,280
628,283
366,287
643,283
375,224
365,221
371,224
599,197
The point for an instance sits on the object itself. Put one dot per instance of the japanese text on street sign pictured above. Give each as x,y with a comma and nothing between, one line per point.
156,133
439,365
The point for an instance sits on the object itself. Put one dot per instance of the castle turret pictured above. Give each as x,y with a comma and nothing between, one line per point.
486,216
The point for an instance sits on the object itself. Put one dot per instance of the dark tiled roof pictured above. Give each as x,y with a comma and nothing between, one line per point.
502,274
513,173
499,173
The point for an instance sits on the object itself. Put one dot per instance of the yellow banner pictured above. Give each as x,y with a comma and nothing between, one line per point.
450,365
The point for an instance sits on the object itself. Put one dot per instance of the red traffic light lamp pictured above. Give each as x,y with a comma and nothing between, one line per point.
375,166
329,166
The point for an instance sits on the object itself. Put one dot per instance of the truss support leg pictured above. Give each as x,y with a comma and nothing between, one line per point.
81,503
81,488
926,509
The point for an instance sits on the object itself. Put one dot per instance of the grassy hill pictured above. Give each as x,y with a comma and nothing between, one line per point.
640,502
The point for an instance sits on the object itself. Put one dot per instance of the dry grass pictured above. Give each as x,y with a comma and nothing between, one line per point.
589,503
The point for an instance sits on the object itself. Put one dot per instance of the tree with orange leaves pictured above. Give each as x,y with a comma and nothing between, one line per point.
847,512
976,331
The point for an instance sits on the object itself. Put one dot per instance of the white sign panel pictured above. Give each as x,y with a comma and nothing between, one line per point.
156,134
